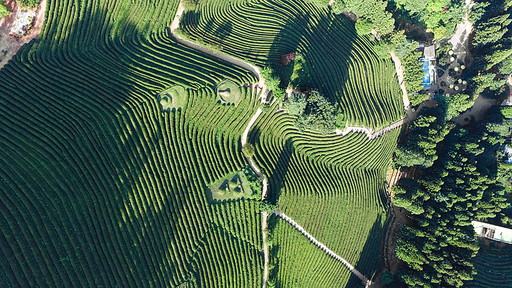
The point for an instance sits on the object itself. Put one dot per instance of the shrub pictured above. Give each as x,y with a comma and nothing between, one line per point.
279,94
363,26
417,98
319,114
28,3
271,81
506,111
338,7
387,278
295,104
3,10
248,150
266,206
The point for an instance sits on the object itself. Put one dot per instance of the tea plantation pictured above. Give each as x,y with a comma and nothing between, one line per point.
105,165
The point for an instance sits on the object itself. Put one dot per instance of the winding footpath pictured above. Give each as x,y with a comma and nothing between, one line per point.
363,278
264,215
369,132
235,61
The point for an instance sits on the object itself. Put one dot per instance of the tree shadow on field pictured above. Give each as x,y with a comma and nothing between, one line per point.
275,177
324,40
223,31
372,257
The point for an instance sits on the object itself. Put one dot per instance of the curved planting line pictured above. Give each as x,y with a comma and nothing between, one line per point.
363,278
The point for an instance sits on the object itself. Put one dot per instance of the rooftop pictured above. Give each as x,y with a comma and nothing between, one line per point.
430,52
493,232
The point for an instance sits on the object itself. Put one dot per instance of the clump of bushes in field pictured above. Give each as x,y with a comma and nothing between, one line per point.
248,150
371,14
295,104
253,181
318,114
301,75
27,3
272,83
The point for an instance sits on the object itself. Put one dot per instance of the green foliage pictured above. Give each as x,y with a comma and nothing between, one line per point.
28,3
492,49
3,10
278,94
338,7
268,207
505,67
413,6
295,104
404,48
363,26
271,80
254,181
248,150
301,76
374,12
453,105
462,185
387,278
426,131
319,115
417,98
413,72
506,111
439,16
382,48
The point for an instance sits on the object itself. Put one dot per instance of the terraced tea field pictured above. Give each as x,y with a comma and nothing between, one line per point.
493,266
111,132
342,64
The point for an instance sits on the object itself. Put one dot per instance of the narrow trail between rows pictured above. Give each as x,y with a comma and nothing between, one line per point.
264,215
369,132
363,278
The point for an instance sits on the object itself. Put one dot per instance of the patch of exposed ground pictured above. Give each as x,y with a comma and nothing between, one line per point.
10,42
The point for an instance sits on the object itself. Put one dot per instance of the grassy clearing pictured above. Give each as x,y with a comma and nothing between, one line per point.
233,186
228,92
174,98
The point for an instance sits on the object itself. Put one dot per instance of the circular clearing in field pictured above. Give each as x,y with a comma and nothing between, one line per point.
174,98
229,92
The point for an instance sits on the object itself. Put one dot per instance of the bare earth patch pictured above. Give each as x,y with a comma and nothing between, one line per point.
9,42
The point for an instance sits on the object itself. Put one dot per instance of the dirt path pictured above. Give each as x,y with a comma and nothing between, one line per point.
369,132
8,43
255,70
459,40
264,215
400,73
176,22
363,278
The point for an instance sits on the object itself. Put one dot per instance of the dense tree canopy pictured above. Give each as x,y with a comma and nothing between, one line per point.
295,104
319,114
462,185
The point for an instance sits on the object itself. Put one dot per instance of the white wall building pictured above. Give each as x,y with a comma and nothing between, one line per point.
493,232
